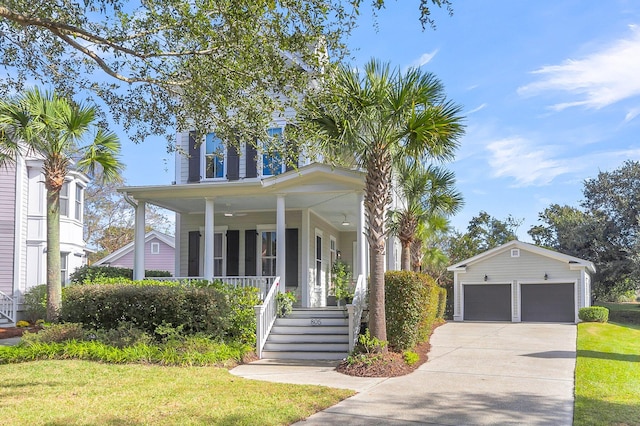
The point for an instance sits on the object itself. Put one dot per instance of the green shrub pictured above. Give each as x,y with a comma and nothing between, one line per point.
87,274
219,311
413,302
594,314
284,303
124,335
55,333
35,303
410,357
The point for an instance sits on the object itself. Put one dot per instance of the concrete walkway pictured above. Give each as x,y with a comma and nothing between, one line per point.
477,374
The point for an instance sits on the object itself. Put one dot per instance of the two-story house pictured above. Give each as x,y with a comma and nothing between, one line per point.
23,220
246,214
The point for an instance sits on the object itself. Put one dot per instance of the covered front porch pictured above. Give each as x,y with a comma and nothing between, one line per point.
293,225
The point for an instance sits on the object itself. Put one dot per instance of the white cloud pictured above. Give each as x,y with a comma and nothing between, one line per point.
597,80
424,59
633,113
478,108
528,165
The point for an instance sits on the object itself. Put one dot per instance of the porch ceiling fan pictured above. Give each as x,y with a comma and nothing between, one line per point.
234,214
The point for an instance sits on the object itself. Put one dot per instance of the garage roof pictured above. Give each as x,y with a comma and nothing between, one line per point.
575,262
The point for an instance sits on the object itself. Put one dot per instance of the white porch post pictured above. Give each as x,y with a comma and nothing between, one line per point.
281,261
360,238
208,239
304,264
138,247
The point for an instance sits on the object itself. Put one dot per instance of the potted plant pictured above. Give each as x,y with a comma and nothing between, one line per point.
284,303
342,281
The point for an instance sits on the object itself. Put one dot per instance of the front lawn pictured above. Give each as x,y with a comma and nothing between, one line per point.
75,392
607,374
627,313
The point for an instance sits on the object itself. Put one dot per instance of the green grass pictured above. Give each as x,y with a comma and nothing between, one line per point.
75,392
607,375
627,313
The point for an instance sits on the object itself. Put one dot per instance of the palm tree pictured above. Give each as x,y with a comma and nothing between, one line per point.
368,120
425,193
53,128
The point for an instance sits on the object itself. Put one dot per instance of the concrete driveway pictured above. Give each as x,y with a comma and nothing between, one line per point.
477,373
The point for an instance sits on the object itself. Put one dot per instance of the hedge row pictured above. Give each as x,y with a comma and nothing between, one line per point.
413,303
88,273
219,311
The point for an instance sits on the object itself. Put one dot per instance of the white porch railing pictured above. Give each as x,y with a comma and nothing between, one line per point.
355,310
7,307
262,283
266,316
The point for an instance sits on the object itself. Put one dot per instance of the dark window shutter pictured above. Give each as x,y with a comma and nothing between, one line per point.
291,248
233,255
252,166
233,163
194,254
250,240
194,159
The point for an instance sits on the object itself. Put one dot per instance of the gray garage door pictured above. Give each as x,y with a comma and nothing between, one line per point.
487,302
547,302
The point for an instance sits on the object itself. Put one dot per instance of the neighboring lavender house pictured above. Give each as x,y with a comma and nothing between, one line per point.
23,240
159,254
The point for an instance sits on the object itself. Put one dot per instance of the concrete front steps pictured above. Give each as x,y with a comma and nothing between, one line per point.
309,333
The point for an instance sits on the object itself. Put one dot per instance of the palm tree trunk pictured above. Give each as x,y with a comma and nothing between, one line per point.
376,201
54,286
405,255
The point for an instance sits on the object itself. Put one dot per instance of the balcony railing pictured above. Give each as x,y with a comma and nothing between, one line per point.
263,284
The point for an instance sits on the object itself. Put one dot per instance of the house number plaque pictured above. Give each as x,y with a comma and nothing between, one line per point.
316,321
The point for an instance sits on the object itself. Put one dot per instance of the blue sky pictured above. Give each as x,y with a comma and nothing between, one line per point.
550,91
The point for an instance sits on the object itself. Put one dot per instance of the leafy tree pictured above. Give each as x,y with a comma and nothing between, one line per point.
368,120
166,64
50,126
424,192
109,220
483,233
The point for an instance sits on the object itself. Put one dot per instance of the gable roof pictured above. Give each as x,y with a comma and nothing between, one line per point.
128,248
575,262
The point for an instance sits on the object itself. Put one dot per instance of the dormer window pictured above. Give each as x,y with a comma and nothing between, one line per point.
272,163
214,157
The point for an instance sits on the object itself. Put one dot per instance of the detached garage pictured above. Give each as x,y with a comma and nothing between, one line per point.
521,282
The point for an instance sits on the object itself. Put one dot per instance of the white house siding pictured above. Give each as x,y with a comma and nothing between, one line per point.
7,227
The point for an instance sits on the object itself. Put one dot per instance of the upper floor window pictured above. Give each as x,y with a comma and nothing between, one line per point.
272,163
79,193
155,248
214,157
64,200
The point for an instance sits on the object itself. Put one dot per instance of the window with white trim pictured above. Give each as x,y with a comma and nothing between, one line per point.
218,254
272,163
155,248
64,267
268,246
213,157
318,255
78,202
64,200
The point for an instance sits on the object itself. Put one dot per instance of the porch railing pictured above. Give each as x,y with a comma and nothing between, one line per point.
355,310
266,316
7,307
262,283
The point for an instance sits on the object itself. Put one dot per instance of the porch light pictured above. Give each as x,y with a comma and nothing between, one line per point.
345,222
546,276
486,278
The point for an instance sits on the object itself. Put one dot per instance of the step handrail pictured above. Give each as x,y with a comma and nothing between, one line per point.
7,307
266,316
355,310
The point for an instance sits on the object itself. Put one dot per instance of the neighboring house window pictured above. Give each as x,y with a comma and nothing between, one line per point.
79,193
155,248
272,163
268,253
64,200
64,267
214,157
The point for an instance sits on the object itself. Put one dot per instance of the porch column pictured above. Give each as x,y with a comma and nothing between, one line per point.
138,245
304,264
360,238
208,239
281,261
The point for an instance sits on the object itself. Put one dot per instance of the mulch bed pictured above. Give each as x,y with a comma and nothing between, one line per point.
8,332
391,364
